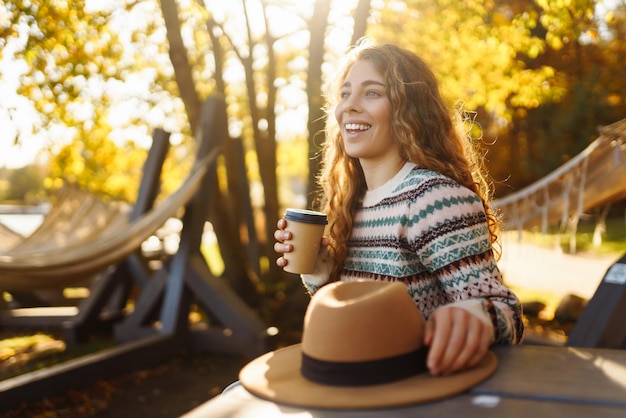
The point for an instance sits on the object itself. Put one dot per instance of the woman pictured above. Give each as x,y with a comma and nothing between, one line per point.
407,200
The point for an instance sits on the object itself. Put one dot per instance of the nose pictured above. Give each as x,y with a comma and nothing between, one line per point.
351,104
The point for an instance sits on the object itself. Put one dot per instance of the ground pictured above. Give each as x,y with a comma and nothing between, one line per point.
169,390
173,389
551,271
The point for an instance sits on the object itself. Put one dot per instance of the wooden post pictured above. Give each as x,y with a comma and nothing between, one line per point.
602,323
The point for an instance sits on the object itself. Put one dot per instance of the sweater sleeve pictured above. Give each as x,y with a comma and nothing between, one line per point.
321,274
453,244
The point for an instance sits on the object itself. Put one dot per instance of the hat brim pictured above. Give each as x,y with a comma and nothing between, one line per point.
275,376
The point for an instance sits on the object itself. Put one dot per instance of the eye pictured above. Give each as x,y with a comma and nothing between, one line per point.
373,93
344,95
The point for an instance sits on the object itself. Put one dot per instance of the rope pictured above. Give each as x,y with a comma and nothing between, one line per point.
596,175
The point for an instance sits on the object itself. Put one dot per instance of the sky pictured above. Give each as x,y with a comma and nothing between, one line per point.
16,115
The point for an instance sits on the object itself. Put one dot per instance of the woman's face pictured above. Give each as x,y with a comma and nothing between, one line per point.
364,115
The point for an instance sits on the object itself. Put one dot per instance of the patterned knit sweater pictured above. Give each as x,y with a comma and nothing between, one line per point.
431,233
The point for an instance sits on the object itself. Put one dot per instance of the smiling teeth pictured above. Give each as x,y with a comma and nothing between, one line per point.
357,127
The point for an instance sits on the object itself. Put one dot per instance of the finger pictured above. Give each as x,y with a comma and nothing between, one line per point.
281,262
477,341
281,224
280,235
440,335
280,248
455,346
470,340
485,341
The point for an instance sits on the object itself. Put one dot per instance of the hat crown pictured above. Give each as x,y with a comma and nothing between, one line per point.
361,321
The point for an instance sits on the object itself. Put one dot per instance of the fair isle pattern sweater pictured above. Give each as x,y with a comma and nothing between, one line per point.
426,230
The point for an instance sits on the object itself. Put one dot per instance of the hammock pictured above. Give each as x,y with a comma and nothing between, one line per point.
75,216
594,177
82,235
8,238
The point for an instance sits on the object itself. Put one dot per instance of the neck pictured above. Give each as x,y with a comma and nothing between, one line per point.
380,172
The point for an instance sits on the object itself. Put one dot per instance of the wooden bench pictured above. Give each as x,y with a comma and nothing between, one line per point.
602,323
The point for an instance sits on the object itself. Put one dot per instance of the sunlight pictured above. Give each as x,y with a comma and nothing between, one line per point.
290,18
614,371
17,116
283,17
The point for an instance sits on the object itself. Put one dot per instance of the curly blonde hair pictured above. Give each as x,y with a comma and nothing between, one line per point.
428,133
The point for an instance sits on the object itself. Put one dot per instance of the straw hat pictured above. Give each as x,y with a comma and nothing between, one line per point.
362,347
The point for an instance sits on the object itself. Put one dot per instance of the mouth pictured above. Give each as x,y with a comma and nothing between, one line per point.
357,127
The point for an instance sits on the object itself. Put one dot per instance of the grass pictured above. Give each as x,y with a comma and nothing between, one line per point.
613,240
25,350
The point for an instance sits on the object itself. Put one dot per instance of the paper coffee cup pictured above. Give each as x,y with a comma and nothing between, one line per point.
307,228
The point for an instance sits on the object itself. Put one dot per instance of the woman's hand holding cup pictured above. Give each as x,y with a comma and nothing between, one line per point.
299,237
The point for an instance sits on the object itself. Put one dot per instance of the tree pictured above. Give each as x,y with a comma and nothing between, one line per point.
479,51
78,60
584,49
536,74
25,185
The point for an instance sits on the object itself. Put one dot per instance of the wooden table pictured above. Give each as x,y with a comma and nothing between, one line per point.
531,381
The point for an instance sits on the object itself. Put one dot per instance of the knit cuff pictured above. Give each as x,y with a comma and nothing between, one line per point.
478,308
321,274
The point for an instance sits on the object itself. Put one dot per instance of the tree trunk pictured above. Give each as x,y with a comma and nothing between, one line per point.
600,227
264,140
268,162
572,229
315,123
361,14
180,61
237,271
